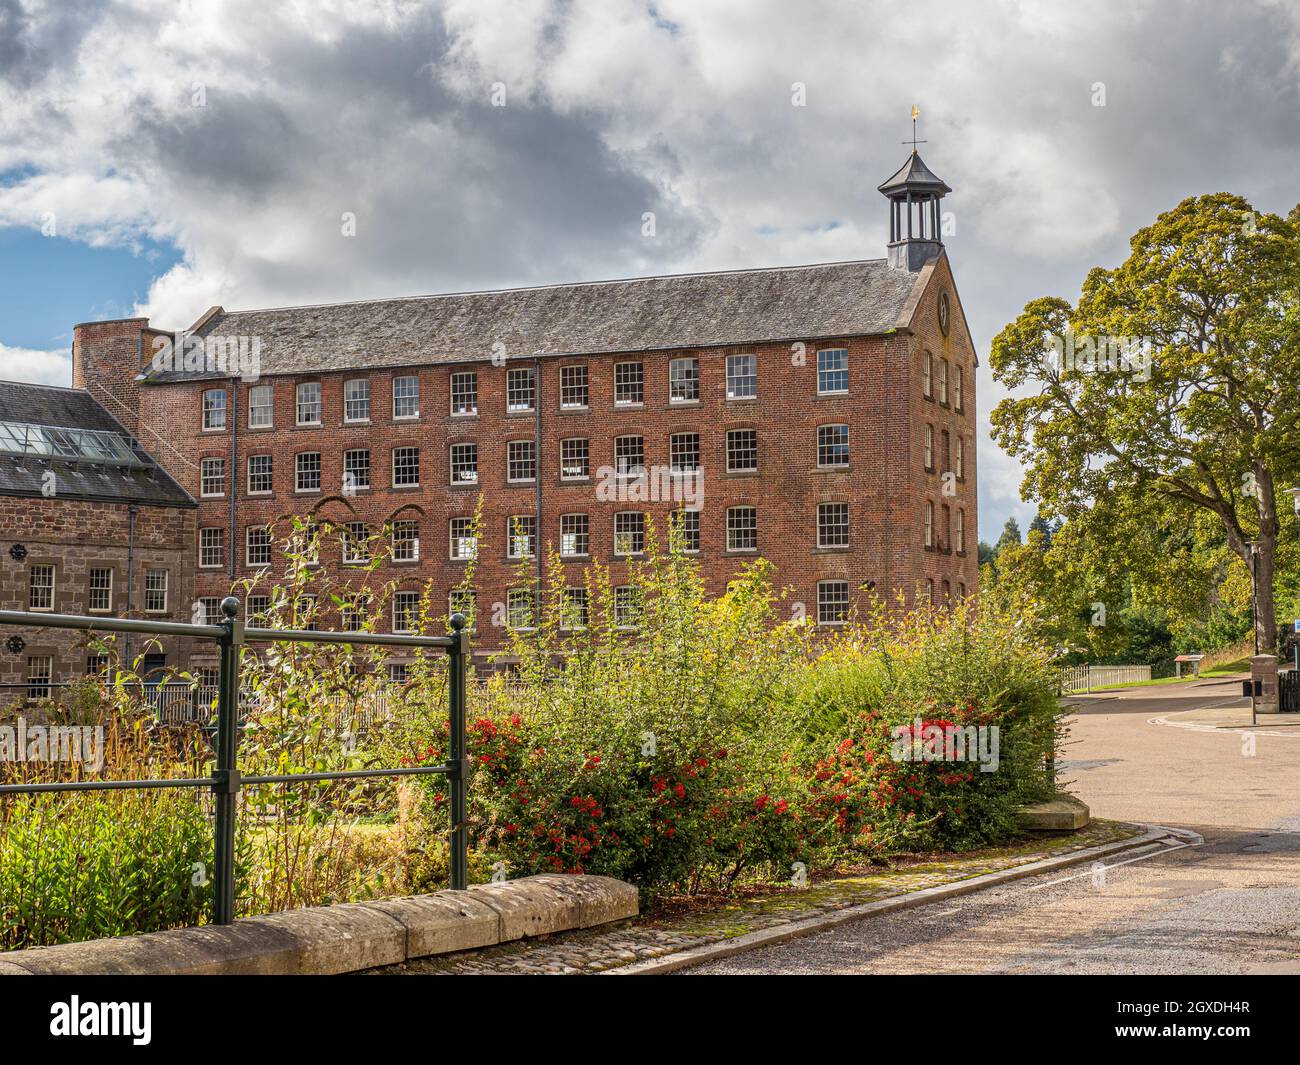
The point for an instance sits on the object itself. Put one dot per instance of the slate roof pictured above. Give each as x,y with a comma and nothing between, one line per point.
858,298
78,479
913,176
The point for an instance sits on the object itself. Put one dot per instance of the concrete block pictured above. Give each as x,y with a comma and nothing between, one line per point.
1065,813
600,899
528,907
442,923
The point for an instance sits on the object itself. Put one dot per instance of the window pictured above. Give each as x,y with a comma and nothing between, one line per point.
927,532
520,603
684,381
627,606
961,589
684,452
259,475
40,594
742,450
356,400
406,397
947,528
464,542
399,672
832,371
927,375
99,593
687,524
260,406
945,444
629,533
97,666
258,545
573,609
461,601
308,542
629,384
959,462
520,392
742,529
832,525
406,541
832,445
309,403
307,467
210,610
257,607
212,477
464,463
356,470
742,376
575,540
929,446
40,670
521,461
464,393
629,456
959,535
214,409
352,613
406,611
943,381
212,548
832,602
356,543
573,387
155,591
957,401
406,467
575,464
521,536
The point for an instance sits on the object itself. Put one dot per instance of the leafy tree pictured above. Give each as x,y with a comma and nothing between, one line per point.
1172,382
1010,536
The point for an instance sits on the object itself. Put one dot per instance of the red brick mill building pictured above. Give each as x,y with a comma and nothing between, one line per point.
825,414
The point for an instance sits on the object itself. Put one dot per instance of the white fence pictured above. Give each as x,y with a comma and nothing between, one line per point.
1086,678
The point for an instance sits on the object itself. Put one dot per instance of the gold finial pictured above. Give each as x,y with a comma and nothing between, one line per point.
916,113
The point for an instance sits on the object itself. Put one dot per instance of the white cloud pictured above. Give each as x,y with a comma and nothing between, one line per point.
39,367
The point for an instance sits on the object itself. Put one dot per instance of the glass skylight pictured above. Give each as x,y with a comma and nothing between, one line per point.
73,445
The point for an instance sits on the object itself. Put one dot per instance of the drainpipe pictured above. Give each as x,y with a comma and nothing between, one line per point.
232,481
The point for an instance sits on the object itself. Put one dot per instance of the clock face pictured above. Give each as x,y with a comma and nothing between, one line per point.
945,322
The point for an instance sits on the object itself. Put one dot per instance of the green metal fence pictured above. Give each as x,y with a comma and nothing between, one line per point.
230,635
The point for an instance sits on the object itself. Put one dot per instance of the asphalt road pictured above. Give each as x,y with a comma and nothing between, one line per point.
1229,905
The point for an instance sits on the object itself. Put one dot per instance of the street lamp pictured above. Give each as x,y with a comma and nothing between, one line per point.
1254,590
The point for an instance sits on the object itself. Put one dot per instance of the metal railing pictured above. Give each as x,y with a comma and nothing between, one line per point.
230,635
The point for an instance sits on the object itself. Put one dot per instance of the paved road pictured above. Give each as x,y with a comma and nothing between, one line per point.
1231,905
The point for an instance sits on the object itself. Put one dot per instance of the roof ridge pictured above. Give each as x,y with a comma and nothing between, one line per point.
42,384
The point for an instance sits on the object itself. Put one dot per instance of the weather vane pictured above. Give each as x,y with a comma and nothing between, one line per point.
916,113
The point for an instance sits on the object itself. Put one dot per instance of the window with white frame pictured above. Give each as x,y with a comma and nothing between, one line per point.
406,397
399,673
261,406
742,450
210,610
942,383
684,452
464,541
406,467
687,527
684,380
959,533
574,393
257,545
959,458
212,548
629,533
742,528
97,666
574,611
155,591
629,456
356,543
832,525
575,459
40,672
307,471
260,480
575,535
214,409
212,477
832,602
629,384
832,446
308,397
832,371
521,391
99,591
464,393
928,450
352,613
627,606
356,470
521,536
957,402
464,463
742,376
521,460
406,541
356,400
406,611
927,527
40,588
461,601
257,607
927,375
520,608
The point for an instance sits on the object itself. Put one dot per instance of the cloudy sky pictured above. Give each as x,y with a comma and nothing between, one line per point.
159,157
